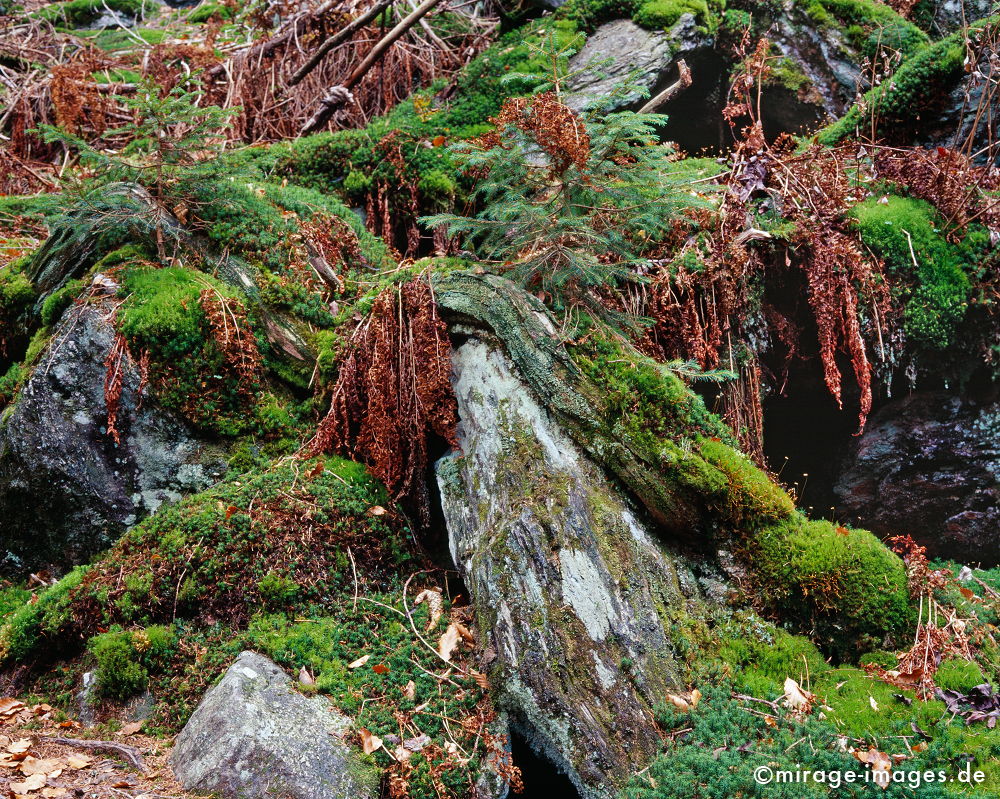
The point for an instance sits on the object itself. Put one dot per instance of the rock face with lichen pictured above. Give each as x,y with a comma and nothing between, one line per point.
620,52
67,490
572,592
254,736
569,586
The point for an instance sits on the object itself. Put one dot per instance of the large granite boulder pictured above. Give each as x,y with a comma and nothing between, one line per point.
253,736
928,465
67,490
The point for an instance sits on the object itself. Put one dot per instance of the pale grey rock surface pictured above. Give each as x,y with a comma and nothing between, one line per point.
571,591
627,48
253,736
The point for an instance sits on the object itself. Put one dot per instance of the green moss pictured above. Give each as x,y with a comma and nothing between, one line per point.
16,293
58,301
12,599
119,675
207,10
114,39
933,271
641,399
78,13
664,14
161,314
845,585
955,674
897,103
125,658
872,26
43,621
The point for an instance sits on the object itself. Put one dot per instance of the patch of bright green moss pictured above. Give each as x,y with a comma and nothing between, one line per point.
935,272
77,13
898,102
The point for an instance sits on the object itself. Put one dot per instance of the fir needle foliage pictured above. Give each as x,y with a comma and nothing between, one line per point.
567,204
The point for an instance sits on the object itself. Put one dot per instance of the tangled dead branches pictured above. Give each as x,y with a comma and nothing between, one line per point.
393,393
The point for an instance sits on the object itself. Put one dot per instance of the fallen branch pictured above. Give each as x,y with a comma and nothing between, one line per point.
671,91
127,753
340,36
291,30
338,96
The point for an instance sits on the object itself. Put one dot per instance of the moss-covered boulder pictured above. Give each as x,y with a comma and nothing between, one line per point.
572,593
68,489
593,531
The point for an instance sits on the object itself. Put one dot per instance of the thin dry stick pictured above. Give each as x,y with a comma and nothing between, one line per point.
338,96
340,36
671,91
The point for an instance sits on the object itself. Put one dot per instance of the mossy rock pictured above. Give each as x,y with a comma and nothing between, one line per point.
934,276
845,585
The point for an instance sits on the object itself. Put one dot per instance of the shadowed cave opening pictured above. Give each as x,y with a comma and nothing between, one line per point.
542,780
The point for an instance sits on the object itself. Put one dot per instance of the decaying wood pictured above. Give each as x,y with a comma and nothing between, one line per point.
671,91
128,753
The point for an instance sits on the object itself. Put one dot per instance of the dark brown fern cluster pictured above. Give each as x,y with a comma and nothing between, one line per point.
232,334
393,393
947,179
555,127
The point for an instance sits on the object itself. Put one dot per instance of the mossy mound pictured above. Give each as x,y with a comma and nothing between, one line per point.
921,83
934,275
277,538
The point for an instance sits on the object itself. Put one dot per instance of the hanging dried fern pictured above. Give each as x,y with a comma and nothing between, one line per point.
394,393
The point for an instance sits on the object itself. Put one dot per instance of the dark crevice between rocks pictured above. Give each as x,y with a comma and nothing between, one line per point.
542,780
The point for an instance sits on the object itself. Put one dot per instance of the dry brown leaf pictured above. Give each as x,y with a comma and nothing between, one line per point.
369,743
380,668
695,697
796,697
401,753
377,510
305,677
33,765
465,633
410,690
32,783
679,702
9,706
880,762
78,761
357,664
20,747
52,793
131,728
448,642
